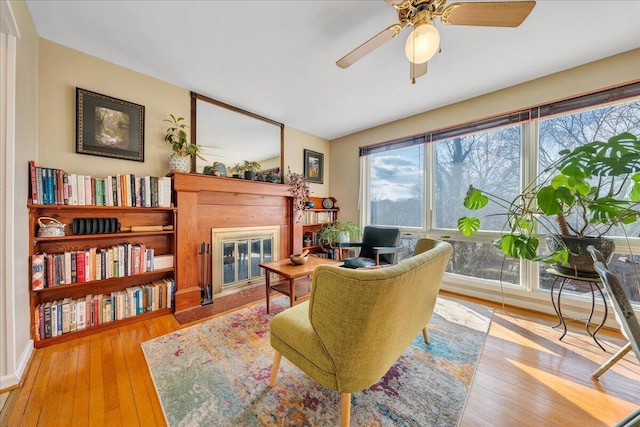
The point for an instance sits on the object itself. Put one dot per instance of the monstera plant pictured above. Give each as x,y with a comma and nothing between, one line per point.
588,191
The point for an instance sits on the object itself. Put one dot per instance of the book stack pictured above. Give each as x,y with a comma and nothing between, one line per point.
126,259
50,186
318,217
69,315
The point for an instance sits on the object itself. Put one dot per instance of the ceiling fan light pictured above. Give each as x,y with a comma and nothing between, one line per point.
422,43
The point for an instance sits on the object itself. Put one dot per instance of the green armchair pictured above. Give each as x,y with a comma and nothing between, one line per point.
357,323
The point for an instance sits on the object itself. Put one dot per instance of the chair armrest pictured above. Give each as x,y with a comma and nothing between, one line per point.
386,249
349,245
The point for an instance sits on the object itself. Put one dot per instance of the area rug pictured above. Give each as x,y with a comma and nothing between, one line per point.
215,373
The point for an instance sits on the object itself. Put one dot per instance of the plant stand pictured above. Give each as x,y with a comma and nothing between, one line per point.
594,283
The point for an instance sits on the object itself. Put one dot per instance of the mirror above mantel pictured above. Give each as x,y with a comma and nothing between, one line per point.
231,135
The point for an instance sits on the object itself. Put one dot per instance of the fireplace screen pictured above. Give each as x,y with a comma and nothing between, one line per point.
237,253
242,258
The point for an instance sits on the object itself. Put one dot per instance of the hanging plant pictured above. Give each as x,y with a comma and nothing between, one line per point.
299,189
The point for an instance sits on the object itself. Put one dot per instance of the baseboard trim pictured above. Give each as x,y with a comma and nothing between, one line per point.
9,382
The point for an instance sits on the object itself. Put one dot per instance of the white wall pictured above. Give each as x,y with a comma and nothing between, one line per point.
15,334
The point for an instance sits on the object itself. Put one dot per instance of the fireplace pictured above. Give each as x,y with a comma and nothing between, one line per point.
237,253
207,203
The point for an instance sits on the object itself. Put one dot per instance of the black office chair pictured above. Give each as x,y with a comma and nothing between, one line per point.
628,323
379,246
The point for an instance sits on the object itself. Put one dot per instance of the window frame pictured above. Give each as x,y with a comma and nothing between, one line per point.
528,292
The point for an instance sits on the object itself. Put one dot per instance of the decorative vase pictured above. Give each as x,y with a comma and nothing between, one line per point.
179,163
580,262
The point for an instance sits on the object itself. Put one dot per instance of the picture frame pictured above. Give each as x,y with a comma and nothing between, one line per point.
109,127
313,166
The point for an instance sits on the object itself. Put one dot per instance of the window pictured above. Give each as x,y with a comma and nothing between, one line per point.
498,155
489,160
396,193
570,130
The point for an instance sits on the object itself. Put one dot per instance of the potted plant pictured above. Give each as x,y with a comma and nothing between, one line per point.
250,169
299,189
176,135
236,171
339,232
588,191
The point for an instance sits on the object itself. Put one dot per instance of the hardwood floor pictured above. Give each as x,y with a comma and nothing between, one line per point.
525,377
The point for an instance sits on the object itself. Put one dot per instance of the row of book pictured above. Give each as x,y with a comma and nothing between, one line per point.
69,315
126,259
318,217
50,186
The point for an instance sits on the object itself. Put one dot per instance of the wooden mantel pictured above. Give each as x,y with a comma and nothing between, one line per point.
205,202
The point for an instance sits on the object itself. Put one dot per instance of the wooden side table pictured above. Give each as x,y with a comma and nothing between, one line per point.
594,284
285,268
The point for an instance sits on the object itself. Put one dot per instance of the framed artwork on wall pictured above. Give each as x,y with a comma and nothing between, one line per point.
109,127
313,166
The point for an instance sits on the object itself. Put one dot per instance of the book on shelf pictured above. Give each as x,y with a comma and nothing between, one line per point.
37,271
163,261
52,186
47,320
126,259
60,317
318,217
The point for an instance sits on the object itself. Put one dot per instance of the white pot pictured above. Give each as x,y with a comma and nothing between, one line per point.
179,163
344,237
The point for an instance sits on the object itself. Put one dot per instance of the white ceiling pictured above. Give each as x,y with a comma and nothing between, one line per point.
277,58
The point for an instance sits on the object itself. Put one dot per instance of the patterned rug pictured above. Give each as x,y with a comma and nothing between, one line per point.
215,373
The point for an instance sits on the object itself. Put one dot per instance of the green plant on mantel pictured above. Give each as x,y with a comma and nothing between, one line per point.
597,185
176,135
237,169
251,166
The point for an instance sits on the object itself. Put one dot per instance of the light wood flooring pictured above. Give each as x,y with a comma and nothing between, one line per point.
525,377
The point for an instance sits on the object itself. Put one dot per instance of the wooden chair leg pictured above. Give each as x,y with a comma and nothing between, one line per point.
613,359
274,368
345,409
425,334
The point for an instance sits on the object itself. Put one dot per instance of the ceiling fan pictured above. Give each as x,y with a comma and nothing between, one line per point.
424,41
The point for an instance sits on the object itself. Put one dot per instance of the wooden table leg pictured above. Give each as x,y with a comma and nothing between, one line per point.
268,287
292,292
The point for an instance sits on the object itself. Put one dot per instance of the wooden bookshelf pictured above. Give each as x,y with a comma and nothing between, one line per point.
314,219
162,243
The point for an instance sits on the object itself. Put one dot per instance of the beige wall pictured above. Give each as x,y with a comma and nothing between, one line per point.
587,78
296,141
61,70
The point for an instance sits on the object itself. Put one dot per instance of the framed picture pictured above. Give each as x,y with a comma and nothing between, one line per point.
313,166
108,126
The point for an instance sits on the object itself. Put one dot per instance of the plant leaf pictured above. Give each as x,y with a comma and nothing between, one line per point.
634,194
468,225
548,199
474,199
518,246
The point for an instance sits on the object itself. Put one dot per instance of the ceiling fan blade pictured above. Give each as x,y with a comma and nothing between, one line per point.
489,14
369,46
417,70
